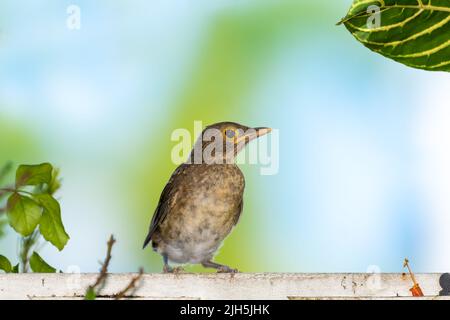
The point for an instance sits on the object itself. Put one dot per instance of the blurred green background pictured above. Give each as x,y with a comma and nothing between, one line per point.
362,154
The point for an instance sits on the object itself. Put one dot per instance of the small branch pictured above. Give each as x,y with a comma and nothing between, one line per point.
26,246
131,286
93,291
12,190
415,290
104,270
6,190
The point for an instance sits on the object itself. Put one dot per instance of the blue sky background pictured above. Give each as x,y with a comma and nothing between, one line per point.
364,141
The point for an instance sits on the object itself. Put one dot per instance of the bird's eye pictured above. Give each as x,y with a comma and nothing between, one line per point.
230,133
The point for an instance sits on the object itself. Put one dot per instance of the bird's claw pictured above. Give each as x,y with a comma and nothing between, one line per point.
177,270
167,269
226,269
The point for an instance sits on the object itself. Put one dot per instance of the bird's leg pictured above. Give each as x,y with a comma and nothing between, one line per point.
178,270
219,267
166,268
169,269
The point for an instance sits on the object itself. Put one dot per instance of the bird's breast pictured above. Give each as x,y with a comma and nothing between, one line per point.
204,211
215,197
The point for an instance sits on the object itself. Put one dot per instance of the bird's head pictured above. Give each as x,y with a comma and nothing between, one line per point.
221,142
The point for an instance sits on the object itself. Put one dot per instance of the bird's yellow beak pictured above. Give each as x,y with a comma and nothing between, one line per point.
262,131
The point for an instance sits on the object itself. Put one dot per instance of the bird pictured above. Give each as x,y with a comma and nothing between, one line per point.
203,199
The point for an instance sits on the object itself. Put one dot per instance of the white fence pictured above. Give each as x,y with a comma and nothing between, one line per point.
272,286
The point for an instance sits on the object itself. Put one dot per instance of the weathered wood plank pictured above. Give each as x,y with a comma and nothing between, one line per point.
222,286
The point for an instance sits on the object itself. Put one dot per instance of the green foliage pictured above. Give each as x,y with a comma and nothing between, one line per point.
15,269
5,265
51,226
413,32
26,210
90,294
34,175
23,214
4,171
55,183
38,264
30,205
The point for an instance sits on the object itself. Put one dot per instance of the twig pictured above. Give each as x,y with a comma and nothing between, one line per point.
26,246
131,286
13,190
415,290
93,290
104,270
5,190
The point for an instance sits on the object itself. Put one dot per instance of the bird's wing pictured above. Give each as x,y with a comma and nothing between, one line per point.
238,214
165,201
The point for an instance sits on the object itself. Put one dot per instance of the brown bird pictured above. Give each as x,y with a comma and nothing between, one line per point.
203,199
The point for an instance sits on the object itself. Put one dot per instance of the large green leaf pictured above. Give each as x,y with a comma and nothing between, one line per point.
38,264
50,225
32,175
5,265
413,32
23,214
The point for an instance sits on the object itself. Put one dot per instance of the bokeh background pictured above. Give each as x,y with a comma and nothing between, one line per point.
364,173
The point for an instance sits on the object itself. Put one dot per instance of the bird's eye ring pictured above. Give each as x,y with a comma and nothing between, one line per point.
230,133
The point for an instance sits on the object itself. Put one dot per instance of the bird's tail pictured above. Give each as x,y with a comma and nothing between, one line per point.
147,240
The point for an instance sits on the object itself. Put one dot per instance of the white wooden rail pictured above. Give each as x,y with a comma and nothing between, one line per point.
272,286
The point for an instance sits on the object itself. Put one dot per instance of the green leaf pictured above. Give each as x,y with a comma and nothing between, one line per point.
15,269
33,175
23,213
50,225
55,183
38,264
90,294
413,32
5,265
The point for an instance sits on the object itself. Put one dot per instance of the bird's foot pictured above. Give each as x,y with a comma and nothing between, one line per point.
219,267
226,269
177,270
167,269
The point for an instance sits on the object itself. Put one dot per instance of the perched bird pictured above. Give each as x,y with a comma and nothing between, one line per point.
203,199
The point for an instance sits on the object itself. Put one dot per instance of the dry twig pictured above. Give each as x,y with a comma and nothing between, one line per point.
131,286
104,270
415,290
93,290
